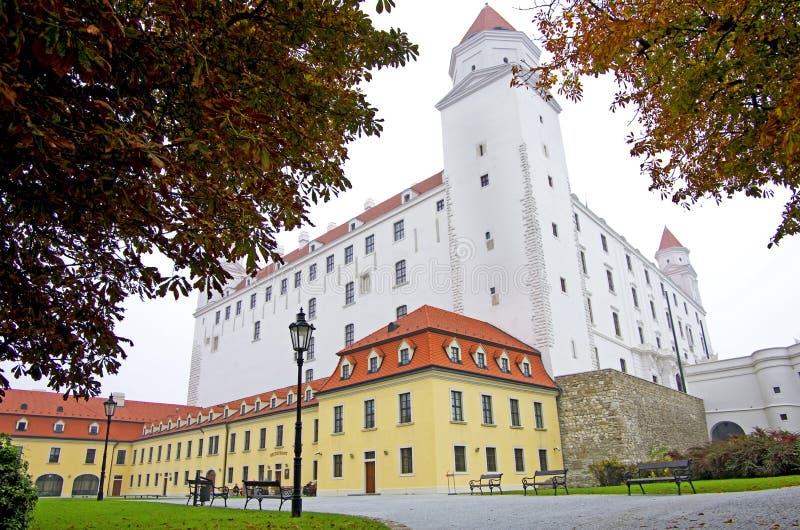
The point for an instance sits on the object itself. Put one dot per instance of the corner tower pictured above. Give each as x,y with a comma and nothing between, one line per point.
513,257
673,260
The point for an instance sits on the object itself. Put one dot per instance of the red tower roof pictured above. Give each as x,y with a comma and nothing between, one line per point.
487,19
668,240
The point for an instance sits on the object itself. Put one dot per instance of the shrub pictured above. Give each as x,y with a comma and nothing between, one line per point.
17,493
609,472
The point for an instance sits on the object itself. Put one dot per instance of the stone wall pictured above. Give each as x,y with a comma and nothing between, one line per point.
608,414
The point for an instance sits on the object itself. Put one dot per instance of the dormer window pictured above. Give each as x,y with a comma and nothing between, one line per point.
22,425
455,354
526,369
504,366
58,426
226,412
373,364
243,410
289,398
59,409
480,359
309,394
273,402
406,197
345,371
258,405
94,428
404,357
23,406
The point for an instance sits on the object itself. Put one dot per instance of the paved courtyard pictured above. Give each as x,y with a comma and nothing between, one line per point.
760,509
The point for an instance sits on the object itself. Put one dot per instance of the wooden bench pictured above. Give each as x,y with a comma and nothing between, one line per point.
487,480
202,489
142,496
263,489
681,472
554,478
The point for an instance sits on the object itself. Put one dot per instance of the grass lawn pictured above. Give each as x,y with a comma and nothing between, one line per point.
702,486
64,514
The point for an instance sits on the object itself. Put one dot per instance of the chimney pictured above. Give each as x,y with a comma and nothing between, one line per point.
119,397
369,203
331,226
302,239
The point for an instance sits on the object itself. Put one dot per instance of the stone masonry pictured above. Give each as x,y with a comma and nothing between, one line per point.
607,414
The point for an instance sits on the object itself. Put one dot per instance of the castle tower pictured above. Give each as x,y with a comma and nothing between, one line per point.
512,240
673,260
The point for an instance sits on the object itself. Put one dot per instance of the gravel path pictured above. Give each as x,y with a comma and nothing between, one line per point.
760,509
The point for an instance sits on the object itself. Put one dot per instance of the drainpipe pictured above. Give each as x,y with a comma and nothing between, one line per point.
677,348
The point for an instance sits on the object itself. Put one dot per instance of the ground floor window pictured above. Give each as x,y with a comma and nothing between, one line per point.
519,460
543,459
337,466
491,460
49,485
406,461
460,456
85,485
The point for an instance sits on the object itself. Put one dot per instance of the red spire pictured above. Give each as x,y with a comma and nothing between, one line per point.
487,19
668,240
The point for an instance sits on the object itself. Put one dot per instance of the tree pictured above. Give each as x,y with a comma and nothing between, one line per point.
715,87
17,492
195,129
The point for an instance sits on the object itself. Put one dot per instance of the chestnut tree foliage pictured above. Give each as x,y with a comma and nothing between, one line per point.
193,128
715,86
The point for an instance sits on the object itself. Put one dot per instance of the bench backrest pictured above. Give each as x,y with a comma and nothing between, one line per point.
200,481
489,476
551,472
652,466
248,484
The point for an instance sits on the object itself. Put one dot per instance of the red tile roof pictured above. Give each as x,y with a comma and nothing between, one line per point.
429,332
668,240
487,19
366,216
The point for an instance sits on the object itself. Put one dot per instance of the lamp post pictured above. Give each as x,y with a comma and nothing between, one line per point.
301,332
111,407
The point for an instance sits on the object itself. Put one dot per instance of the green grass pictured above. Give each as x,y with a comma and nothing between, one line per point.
64,514
702,486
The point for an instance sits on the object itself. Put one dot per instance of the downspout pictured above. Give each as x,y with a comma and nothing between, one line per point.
677,348
110,468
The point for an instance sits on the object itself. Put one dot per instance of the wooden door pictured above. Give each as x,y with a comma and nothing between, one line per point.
116,489
369,473
166,478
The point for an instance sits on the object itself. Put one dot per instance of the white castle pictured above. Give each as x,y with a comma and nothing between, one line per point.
497,235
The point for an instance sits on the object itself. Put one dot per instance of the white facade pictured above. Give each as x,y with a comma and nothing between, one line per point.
497,236
760,390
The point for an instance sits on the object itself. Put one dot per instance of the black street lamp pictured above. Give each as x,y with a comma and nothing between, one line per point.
301,332
110,407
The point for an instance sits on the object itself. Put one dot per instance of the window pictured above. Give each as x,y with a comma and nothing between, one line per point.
369,244
519,460
460,458
504,365
309,392
543,459
577,222
158,454
635,297
252,300
405,407
284,285
776,389
169,451
563,285
456,406
90,453
262,438
480,359
273,402
345,371
628,262
538,415
550,180
309,375
783,417
337,466
289,398
589,307
188,450
555,229
641,335
484,181
239,307
230,474
348,254
623,366
213,444
401,311
329,264
316,430
399,230
231,444
58,426
373,364
177,452
491,460
216,317
150,455
526,369
55,453
349,293
653,309
406,461
404,357
658,341
455,354
369,414
400,272
338,419
647,276
245,472
617,329
440,205
279,436
312,308
121,454
604,242
227,312
268,294
22,425
514,405
298,278
610,278
583,262
486,407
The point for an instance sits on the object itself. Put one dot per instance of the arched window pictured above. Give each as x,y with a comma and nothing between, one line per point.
49,485
85,485
724,430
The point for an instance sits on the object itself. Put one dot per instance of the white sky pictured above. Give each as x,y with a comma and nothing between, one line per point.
749,292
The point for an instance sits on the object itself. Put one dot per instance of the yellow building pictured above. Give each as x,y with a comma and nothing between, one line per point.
432,395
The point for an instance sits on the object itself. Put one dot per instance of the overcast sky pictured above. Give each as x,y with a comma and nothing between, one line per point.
750,293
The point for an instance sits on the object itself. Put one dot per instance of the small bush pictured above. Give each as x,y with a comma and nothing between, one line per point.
609,472
759,454
17,493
